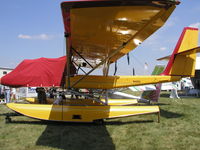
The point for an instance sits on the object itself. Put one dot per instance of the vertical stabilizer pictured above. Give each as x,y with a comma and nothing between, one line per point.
183,64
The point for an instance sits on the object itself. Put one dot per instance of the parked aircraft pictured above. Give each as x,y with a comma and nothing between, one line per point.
106,30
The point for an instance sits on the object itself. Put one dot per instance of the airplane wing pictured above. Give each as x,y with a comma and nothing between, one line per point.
101,28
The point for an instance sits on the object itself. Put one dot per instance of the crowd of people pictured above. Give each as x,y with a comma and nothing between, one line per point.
57,94
7,94
44,93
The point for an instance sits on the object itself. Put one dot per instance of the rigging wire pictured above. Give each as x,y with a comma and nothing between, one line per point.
115,68
133,71
128,58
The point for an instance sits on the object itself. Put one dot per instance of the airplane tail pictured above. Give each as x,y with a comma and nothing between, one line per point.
182,61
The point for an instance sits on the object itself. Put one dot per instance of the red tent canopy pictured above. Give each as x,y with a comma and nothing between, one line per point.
44,72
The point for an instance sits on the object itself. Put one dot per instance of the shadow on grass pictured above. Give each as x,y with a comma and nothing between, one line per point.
168,114
10,114
161,104
108,122
80,136
35,122
76,136
164,95
72,136
127,122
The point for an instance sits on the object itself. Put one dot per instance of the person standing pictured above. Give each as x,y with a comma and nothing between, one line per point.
174,93
1,94
13,94
7,93
41,95
1,91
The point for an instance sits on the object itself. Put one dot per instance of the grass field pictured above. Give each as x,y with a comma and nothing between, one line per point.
179,129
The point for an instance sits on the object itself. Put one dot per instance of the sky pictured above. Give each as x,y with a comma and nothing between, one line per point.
31,29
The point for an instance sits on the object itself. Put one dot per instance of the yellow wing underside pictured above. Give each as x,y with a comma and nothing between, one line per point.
97,32
110,82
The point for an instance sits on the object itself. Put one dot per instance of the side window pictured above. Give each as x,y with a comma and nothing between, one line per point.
4,72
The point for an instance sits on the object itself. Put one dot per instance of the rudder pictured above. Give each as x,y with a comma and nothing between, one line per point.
181,64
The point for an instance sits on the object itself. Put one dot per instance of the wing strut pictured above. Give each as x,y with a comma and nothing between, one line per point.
104,60
82,57
79,67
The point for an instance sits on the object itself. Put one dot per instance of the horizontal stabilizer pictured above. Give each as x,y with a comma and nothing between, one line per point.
164,58
190,51
186,52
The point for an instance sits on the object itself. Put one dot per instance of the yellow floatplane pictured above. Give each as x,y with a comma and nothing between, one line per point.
98,33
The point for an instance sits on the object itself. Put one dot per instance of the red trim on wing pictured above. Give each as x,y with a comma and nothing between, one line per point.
68,29
69,1
67,26
171,60
81,1
87,3
190,28
64,19
76,1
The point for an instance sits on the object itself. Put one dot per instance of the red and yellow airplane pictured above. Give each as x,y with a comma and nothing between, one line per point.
98,33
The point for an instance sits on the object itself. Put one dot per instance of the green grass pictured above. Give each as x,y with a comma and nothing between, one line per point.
179,129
